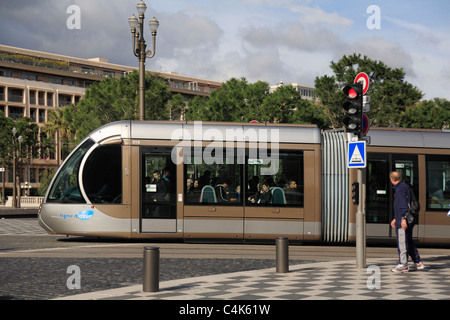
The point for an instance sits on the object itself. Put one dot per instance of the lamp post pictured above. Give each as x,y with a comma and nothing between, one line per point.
20,139
139,48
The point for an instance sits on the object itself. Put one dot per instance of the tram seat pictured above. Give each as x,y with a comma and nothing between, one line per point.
208,195
278,196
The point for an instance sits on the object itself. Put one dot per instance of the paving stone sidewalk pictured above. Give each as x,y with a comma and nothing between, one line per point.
313,281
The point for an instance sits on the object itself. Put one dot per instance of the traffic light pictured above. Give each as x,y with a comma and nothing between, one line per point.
355,193
353,106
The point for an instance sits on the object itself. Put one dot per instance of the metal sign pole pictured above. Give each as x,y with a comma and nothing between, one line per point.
361,222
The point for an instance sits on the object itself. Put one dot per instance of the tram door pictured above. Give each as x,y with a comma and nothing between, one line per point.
158,190
379,196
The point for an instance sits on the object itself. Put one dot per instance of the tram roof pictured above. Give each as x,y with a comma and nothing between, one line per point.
209,131
287,133
410,138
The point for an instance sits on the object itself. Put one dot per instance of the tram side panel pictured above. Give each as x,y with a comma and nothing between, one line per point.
134,191
313,195
295,220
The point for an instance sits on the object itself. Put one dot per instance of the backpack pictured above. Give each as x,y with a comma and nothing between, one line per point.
414,208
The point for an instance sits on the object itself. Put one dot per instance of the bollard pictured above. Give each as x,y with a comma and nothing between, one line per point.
282,253
151,269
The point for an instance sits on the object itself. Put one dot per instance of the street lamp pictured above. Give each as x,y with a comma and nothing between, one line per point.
139,48
20,139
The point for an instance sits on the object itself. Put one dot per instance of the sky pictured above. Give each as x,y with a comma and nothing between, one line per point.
293,41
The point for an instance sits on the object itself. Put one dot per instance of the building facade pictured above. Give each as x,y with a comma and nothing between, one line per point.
307,92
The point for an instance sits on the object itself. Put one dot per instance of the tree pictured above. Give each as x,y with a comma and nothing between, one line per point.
177,107
390,94
117,99
9,144
6,125
58,125
254,104
45,178
285,105
429,114
227,102
311,113
240,101
195,109
330,99
235,101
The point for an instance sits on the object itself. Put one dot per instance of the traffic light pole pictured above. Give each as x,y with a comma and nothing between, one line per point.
361,221
354,124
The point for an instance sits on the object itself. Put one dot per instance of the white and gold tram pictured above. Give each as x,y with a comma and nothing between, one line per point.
194,180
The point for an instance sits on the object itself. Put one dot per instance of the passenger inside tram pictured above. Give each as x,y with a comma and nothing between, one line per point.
263,196
266,193
225,183
292,193
193,191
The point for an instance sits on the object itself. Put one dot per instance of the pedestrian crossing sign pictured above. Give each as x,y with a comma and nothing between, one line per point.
357,154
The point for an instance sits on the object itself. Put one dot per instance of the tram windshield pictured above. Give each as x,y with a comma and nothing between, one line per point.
65,188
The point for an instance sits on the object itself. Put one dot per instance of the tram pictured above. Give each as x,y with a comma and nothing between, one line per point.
203,180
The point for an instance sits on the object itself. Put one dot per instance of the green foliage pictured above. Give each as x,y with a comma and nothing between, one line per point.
45,179
430,114
118,99
6,125
224,104
9,143
108,101
26,129
390,94
177,107
240,101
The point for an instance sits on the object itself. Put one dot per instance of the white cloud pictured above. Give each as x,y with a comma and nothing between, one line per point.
390,53
293,35
419,32
183,32
318,17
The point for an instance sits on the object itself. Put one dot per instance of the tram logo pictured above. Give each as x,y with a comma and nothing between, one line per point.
85,215
82,215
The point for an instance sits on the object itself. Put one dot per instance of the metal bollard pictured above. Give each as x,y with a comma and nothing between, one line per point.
151,269
282,255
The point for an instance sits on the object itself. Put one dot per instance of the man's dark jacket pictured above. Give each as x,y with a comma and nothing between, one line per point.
401,202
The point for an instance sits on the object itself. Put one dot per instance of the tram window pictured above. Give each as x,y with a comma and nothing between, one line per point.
102,175
214,180
65,188
438,182
284,182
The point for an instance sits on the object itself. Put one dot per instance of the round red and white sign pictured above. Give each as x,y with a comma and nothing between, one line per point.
363,78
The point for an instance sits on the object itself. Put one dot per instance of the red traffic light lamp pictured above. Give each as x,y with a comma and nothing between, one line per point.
353,91
353,108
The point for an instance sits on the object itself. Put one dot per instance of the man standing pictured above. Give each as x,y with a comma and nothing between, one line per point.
405,243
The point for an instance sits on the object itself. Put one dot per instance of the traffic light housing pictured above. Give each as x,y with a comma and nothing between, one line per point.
353,106
355,193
